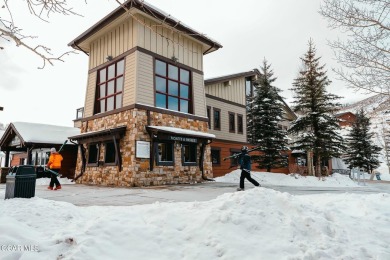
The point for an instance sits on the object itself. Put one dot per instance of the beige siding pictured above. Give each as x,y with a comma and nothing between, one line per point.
145,88
124,34
199,95
129,88
90,95
225,109
234,92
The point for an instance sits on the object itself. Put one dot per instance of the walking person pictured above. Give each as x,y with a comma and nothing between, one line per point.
54,164
245,166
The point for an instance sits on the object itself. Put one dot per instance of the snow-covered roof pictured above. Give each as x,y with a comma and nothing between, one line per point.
180,131
42,133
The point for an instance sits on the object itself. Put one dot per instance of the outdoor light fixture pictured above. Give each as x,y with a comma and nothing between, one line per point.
109,58
174,58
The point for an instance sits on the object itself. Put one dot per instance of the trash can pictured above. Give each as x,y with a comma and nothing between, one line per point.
20,182
378,176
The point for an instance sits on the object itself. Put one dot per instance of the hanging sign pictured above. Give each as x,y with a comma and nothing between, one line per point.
142,149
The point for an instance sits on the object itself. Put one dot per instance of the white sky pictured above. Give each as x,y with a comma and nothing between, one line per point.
259,223
248,30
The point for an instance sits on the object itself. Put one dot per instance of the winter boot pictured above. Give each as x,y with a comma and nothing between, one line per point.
50,188
239,189
58,187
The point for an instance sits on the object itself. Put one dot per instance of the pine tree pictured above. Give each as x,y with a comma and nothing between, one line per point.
361,151
266,112
316,128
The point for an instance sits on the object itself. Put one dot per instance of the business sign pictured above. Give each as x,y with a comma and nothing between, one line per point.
183,139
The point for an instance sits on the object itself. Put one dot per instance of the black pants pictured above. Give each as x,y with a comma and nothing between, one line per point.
247,175
54,179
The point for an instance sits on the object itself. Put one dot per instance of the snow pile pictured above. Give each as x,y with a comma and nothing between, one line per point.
256,224
266,178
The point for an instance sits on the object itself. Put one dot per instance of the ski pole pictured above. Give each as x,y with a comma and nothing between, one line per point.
238,154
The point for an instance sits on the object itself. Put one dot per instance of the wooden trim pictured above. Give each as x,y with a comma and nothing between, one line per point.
142,50
147,108
208,109
224,101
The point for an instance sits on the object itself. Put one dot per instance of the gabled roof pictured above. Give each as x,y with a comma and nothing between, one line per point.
231,76
33,133
343,113
152,11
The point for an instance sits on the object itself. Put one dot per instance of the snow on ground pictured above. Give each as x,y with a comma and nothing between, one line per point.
259,223
335,180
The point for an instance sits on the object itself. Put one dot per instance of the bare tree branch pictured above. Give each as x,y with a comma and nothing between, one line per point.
41,9
366,51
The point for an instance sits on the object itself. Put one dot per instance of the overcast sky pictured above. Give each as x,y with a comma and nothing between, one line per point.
249,31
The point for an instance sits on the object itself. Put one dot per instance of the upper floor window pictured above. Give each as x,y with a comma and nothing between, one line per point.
209,116
173,88
232,124
217,119
110,87
240,124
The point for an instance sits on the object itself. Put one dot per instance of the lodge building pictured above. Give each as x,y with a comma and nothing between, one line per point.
145,119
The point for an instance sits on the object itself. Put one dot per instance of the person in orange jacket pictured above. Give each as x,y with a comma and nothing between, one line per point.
54,164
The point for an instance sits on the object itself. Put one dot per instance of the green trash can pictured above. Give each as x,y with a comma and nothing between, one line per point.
20,182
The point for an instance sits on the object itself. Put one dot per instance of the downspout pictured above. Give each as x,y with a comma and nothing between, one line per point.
202,149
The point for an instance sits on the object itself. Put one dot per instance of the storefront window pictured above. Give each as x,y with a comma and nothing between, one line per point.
164,153
189,154
215,156
110,154
93,153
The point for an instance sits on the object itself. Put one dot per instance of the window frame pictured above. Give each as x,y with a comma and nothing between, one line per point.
99,83
217,126
179,83
219,156
234,161
105,154
156,152
97,145
193,146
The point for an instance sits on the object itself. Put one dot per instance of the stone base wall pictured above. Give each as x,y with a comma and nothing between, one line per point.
136,171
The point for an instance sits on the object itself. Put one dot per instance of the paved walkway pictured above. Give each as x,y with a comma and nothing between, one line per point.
87,195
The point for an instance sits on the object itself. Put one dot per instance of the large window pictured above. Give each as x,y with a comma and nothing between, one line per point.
164,153
189,153
110,87
173,88
217,119
234,160
232,122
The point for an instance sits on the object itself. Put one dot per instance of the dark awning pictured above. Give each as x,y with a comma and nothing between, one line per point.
179,132
99,136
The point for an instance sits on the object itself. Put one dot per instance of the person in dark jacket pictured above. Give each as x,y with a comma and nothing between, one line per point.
245,166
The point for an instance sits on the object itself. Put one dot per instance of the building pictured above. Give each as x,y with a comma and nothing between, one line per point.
29,143
346,119
226,110
144,120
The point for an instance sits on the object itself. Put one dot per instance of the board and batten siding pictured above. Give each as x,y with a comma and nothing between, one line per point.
145,79
225,108
199,96
129,33
90,94
234,92
129,87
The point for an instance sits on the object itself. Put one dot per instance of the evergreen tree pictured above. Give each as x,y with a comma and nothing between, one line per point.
361,152
266,112
316,128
